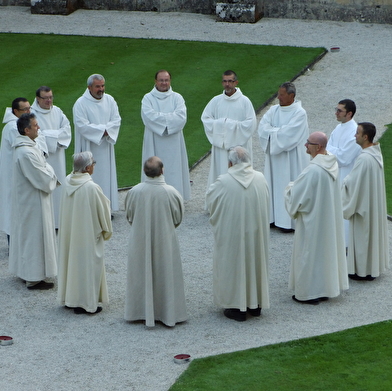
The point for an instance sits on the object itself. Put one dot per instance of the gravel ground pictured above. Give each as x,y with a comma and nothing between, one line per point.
55,349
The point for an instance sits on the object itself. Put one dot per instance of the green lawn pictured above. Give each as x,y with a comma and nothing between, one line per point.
386,145
63,63
351,360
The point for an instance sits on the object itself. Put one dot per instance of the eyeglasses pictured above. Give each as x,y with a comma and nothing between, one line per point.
94,163
229,81
25,109
45,97
337,110
308,142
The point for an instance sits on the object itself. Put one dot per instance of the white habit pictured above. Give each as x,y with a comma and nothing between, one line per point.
9,133
364,204
85,224
155,285
283,131
33,255
238,203
228,121
164,117
91,118
318,264
56,128
342,144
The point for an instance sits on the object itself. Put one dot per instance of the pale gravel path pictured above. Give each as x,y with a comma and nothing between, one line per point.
55,349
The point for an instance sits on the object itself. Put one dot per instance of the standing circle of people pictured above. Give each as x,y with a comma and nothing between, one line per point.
330,193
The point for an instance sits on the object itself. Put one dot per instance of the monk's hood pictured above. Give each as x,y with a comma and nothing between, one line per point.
23,141
243,173
375,152
161,95
75,181
328,163
9,116
36,107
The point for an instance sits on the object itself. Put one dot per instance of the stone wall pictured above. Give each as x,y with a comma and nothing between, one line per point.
378,11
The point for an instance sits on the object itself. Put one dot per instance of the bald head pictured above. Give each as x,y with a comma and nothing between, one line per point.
316,144
153,167
238,155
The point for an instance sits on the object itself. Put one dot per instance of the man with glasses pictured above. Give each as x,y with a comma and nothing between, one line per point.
342,143
164,117
229,120
85,225
283,130
57,131
10,132
318,264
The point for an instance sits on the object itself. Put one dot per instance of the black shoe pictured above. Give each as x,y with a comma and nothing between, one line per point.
286,230
272,225
359,278
236,314
42,285
312,301
80,310
254,311
324,298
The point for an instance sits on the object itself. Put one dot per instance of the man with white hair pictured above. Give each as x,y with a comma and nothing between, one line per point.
97,124
85,224
318,263
238,204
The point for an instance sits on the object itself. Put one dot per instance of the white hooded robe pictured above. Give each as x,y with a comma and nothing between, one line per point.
55,126
33,248
164,117
364,204
318,264
283,131
85,224
238,203
92,117
228,121
155,285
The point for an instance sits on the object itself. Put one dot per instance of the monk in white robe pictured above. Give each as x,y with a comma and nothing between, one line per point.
155,286
33,249
238,203
342,144
283,131
364,205
85,224
229,120
164,117
56,128
10,132
97,124
318,266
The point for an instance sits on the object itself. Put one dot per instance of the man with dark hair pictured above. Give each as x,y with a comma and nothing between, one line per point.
283,131
164,117
364,205
229,120
342,144
56,129
155,285
85,224
33,255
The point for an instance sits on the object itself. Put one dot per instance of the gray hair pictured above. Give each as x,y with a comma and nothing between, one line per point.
238,155
95,76
289,87
82,160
